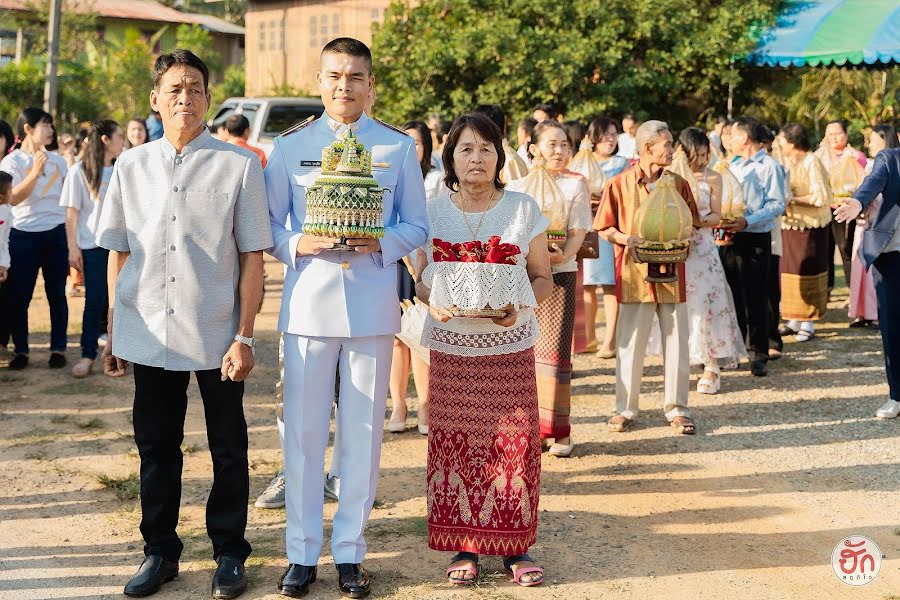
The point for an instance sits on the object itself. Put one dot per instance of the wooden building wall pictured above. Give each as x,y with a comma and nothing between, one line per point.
283,39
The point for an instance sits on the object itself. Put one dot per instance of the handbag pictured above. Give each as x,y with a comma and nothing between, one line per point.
590,246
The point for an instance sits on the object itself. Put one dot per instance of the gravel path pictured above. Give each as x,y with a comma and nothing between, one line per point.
781,470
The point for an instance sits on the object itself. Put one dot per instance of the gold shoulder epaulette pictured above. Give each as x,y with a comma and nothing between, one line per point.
389,126
298,126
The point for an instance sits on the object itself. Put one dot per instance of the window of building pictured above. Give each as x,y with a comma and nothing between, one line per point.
323,30
281,35
313,31
272,34
335,25
262,36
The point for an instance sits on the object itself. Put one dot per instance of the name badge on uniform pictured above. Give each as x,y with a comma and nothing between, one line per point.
310,163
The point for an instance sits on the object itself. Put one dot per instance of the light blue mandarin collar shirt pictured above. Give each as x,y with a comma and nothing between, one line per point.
763,182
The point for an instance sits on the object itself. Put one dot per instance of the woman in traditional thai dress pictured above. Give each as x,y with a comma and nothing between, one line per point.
556,317
804,228
863,304
715,338
601,271
484,448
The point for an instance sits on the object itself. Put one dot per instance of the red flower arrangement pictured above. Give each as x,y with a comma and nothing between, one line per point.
475,251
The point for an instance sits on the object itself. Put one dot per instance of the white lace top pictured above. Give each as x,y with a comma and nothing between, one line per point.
517,219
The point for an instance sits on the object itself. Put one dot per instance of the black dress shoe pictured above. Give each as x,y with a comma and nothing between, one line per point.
758,368
353,581
19,362
295,581
154,571
230,579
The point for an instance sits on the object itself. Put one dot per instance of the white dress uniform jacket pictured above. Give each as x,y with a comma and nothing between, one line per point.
344,293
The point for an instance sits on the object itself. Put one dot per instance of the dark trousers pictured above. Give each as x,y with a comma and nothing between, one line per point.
160,402
95,299
886,275
841,238
746,264
775,302
29,252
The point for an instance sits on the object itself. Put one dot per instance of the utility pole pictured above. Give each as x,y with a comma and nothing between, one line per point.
50,83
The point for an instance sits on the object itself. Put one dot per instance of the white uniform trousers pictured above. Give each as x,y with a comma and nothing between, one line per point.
632,333
335,470
364,365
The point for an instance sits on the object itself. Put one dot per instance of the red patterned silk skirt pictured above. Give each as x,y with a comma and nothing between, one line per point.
553,353
484,453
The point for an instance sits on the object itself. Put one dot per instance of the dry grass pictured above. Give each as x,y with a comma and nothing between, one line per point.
126,488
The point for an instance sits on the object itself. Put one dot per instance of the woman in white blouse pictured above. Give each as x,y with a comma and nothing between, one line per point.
484,441
82,195
37,241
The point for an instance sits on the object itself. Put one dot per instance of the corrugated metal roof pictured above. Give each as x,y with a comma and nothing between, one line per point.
140,10
215,24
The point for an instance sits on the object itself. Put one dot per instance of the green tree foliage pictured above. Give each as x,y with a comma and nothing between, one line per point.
814,96
78,26
123,70
668,59
232,84
200,42
21,86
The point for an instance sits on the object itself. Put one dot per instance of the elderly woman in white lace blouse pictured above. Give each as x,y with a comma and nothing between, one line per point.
484,448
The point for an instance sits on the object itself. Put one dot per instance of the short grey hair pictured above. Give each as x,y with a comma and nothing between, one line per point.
648,133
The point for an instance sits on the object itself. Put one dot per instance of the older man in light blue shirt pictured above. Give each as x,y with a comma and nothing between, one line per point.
746,261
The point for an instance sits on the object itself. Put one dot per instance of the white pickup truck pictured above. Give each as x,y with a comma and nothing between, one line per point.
268,116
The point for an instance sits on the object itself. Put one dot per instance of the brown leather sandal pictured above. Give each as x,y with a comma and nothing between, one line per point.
619,424
683,425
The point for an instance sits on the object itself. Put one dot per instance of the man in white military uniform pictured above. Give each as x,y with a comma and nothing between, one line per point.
339,312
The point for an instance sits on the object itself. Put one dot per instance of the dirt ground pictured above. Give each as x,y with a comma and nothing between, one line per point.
781,470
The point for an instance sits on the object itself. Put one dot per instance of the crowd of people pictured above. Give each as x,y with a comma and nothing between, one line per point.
166,223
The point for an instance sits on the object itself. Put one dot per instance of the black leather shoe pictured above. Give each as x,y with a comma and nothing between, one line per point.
353,581
57,360
230,579
19,362
295,581
758,368
154,571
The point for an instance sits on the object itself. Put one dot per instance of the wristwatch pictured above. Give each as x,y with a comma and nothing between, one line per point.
247,341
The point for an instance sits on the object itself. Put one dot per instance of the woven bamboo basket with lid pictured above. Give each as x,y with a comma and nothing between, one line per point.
732,203
586,164
541,185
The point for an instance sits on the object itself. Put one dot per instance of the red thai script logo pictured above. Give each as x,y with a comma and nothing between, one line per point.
856,560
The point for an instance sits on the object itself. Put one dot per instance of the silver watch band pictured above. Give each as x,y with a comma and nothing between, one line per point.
247,341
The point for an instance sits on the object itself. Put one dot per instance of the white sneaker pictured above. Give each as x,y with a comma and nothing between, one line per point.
273,496
890,410
332,487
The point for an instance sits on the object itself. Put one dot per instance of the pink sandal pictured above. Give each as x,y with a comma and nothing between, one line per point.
509,565
473,568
